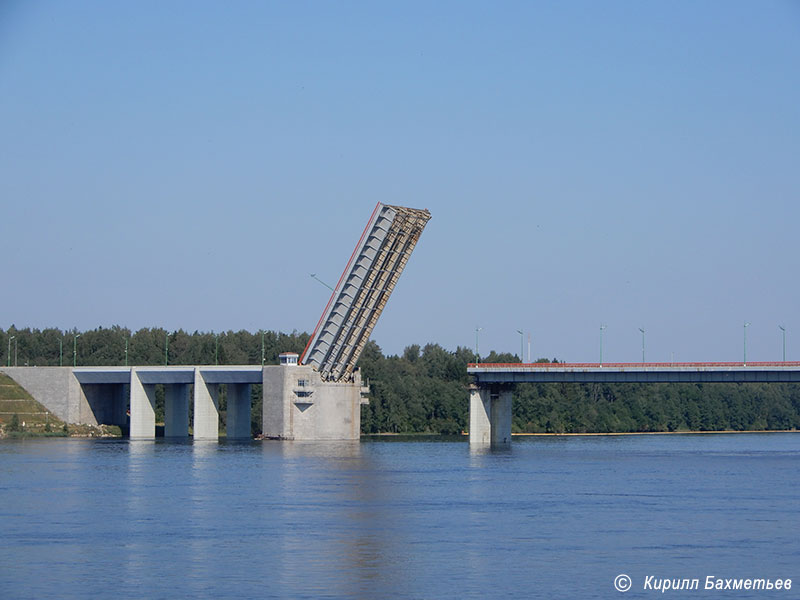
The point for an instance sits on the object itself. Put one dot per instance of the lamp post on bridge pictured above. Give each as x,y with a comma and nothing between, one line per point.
642,330
746,325
61,351
262,347
521,344
477,356
314,276
529,347
783,330
602,328
166,348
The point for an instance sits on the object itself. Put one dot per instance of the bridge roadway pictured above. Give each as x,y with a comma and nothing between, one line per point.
176,381
490,393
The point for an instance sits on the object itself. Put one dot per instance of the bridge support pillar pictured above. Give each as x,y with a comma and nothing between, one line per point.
238,416
206,408
490,415
480,410
501,416
143,408
176,410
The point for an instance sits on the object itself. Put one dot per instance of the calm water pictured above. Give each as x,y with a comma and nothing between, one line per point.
552,517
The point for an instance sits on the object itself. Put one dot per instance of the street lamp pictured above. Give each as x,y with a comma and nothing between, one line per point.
263,356
783,330
314,276
746,325
477,356
521,343
216,349
8,353
15,351
75,350
126,350
166,348
61,351
602,328
642,330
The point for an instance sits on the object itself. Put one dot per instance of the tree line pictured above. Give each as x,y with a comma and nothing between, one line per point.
425,389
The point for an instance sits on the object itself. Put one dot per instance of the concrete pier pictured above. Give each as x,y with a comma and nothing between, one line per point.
176,410
206,408
238,415
143,408
490,415
480,410
501,416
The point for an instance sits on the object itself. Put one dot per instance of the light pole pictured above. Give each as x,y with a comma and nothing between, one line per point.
642,330
783,330
15,351
529,347
75,350
262,348
602,328
314,276
166,348
216,349
477,356
746,325
8,353
126,350
521,343
61,352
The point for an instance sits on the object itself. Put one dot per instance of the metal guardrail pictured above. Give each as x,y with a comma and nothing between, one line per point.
546,366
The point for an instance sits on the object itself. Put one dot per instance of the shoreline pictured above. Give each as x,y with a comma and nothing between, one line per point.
687,432
724,431
106,435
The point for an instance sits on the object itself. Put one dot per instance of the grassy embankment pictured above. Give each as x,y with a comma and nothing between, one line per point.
22,416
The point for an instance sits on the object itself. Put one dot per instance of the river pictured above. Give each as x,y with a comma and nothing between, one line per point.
551,517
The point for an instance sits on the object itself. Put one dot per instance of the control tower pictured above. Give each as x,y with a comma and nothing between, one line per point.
319,395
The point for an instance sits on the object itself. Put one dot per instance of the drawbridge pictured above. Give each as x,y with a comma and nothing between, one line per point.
363,290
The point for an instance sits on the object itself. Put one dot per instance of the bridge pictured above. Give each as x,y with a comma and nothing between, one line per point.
97,395
491,391
316,396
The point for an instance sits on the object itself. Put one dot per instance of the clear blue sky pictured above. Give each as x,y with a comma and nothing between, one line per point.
188,164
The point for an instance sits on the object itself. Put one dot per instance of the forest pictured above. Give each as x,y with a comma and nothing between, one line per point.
425,390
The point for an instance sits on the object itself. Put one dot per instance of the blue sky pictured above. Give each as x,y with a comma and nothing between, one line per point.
188,164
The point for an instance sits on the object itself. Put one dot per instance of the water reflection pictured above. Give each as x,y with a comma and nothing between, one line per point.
335,522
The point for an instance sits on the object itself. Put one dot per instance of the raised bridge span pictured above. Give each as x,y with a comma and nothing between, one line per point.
490,393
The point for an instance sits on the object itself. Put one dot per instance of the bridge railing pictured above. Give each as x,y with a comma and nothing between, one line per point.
634,365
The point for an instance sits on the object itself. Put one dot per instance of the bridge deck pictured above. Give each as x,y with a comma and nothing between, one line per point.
170,374
686,372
